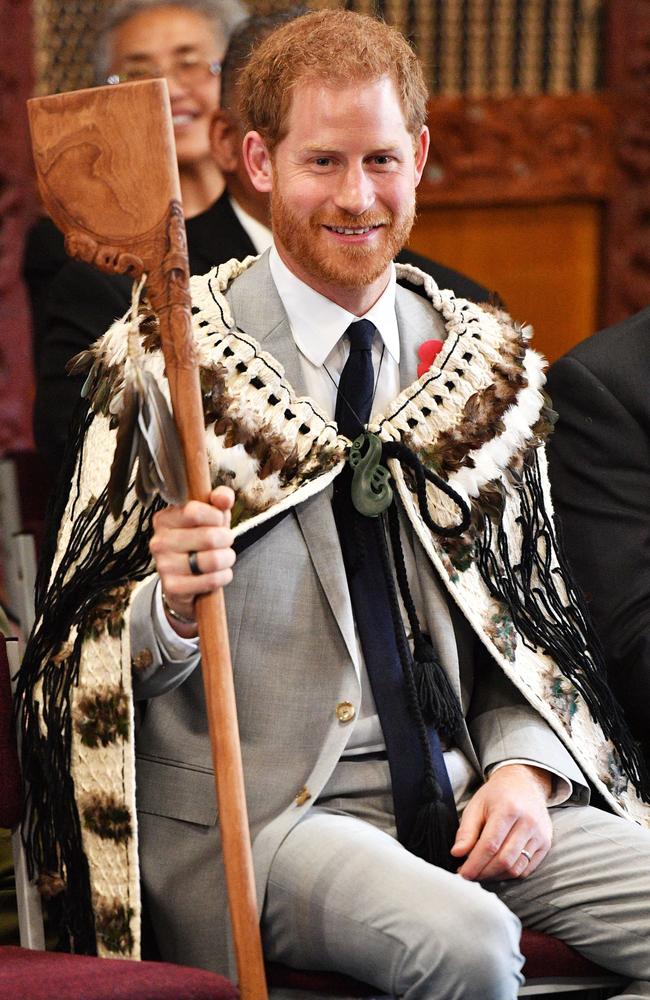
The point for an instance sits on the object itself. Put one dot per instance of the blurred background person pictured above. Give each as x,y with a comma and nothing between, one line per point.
599,459
72,303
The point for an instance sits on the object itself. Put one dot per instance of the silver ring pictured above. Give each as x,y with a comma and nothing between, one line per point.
193,560
526,855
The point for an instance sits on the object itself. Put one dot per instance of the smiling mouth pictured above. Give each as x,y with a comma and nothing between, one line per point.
345,231
182,119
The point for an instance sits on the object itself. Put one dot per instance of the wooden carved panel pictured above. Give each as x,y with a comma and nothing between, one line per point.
518,150
16,211
627,244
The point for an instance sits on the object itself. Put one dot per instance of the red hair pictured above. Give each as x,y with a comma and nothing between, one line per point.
332,46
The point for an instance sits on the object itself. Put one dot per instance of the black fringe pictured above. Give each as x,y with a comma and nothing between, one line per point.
81,421
544,620
96,561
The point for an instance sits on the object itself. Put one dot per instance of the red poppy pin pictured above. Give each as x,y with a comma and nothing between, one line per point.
426,353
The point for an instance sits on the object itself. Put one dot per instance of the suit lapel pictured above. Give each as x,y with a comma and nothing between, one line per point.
260,314
418,321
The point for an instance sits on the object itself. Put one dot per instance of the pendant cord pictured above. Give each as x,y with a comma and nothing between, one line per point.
374,392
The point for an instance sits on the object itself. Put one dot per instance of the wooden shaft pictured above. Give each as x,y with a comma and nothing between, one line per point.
216,666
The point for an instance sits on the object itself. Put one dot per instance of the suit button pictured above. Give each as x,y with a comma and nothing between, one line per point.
303,795
142,661
345,711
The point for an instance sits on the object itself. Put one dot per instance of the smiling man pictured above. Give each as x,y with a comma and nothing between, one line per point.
415,690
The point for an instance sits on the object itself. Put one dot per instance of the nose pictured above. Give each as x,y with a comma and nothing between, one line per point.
356,193
175,86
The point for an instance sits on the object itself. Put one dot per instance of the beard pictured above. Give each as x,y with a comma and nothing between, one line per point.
351,266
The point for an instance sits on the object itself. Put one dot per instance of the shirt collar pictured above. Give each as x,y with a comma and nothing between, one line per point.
317,323
259,234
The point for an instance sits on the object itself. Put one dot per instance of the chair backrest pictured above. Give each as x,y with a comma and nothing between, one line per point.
21,526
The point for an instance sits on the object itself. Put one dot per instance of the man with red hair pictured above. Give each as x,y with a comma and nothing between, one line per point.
411,661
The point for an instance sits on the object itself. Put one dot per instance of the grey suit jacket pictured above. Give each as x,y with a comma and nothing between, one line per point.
294,658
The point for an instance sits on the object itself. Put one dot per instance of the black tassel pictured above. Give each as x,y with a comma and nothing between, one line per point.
434,829
436,696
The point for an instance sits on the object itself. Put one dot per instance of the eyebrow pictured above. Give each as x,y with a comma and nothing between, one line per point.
323,151
178,50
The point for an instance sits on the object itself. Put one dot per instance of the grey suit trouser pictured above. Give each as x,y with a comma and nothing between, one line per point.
344,895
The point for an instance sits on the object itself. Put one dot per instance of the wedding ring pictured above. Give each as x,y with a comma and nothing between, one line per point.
526,855
193,560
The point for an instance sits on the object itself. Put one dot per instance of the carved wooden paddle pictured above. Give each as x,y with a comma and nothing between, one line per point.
106,166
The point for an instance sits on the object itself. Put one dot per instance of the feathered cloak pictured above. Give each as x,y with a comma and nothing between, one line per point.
476,420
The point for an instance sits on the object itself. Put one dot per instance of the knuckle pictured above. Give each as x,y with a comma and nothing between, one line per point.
193,511
511,859
228,557
219,578
214,538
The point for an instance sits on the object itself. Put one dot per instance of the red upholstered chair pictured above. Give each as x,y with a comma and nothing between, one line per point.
552,969
30,974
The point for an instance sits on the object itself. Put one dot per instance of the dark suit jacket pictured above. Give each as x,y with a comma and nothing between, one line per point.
82,302
600,475
73,304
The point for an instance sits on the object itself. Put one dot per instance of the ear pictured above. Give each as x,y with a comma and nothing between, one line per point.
224,142
258,162
421,153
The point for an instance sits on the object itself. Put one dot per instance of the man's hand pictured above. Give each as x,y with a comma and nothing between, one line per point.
202,528
506,816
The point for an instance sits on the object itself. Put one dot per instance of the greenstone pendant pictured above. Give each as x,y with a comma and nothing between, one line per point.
371,490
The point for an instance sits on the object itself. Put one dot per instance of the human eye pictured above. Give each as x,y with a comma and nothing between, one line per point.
141,71
323,161
382,160
187,61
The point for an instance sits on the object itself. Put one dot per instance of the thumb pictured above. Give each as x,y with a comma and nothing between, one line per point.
468,831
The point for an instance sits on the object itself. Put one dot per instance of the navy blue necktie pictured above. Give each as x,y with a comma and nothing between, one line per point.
361,544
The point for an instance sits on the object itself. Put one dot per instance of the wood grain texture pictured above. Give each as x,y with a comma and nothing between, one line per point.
544,260
626,248
518,150
107,172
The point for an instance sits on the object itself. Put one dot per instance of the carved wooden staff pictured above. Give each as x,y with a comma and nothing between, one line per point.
106,166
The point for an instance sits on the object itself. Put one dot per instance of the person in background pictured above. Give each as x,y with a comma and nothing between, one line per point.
73,303
599,464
